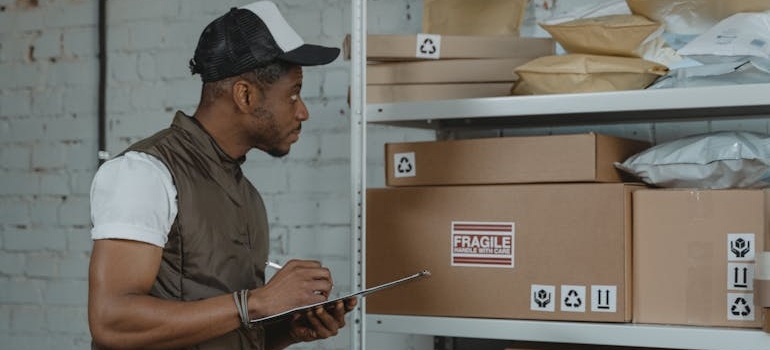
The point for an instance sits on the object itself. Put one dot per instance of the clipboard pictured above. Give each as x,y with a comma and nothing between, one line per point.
330,302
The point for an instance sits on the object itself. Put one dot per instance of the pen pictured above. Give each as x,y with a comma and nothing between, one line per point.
274,265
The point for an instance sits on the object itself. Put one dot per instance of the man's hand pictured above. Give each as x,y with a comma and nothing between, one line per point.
321,323
298,283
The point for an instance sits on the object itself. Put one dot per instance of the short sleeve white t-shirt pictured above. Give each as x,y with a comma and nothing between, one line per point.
133,197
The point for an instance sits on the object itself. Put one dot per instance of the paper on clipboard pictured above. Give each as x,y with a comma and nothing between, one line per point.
361,293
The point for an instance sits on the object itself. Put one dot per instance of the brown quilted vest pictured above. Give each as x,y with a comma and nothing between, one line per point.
219,241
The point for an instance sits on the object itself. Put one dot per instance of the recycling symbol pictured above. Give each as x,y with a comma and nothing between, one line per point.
740,307
404,166
573,299
428,47
542,298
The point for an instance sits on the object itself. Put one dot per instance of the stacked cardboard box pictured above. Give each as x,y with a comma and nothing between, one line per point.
533,227
422,67
508,160
694,254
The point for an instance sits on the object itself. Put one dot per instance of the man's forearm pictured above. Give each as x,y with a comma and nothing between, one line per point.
143,321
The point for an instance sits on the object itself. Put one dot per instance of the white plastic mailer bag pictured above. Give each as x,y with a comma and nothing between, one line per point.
753,71
692,17
718,160
740,35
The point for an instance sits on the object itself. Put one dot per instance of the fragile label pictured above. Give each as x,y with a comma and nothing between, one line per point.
485,244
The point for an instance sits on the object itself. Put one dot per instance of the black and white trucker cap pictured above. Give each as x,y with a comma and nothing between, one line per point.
249,37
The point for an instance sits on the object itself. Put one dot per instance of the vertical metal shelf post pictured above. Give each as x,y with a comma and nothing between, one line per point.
358,167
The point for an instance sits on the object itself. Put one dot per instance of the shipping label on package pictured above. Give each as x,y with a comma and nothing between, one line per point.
483,244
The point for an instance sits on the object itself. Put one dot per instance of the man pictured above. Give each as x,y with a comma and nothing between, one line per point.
180,236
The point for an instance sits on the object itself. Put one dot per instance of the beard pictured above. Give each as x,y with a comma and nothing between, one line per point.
271,133
277,153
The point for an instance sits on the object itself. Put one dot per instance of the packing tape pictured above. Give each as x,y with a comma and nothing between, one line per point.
762,280
762,270
762,293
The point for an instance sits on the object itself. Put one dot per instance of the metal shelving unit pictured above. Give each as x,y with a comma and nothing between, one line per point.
358,167
701,103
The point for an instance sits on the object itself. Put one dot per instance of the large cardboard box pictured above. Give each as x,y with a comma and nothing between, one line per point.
426,46
545,252
694,256
444,71
520,159
428,92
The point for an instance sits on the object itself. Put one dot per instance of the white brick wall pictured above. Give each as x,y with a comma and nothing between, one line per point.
48,132
48,135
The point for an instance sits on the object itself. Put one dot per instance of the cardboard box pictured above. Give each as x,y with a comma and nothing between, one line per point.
462,17
428,92
521,159
426,46
444,71
543,252
691,249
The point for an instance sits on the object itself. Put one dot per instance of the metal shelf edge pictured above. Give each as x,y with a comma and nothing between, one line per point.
618,334
740,98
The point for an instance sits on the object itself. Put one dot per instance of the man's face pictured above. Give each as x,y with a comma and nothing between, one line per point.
277,121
